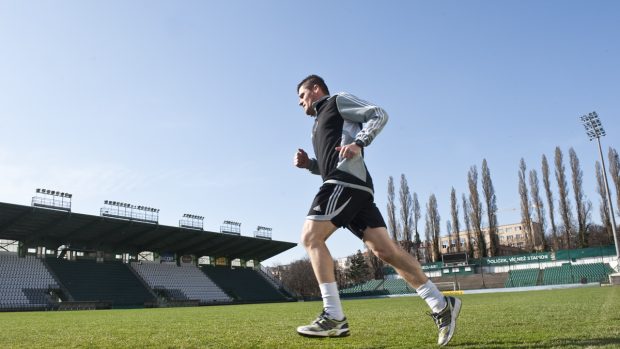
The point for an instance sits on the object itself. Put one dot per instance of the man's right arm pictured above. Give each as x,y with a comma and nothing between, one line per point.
302,160
313,167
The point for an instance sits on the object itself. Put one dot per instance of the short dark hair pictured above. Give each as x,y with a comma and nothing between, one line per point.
312,80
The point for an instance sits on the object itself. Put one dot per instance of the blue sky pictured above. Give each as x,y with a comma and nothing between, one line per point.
190,106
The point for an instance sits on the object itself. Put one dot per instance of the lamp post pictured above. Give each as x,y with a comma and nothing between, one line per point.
594,129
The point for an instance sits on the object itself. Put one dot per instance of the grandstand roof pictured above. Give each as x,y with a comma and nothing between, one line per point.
36,226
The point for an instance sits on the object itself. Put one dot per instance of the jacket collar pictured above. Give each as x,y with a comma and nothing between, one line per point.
317,104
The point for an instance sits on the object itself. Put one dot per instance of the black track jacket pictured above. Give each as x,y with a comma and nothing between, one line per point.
343,119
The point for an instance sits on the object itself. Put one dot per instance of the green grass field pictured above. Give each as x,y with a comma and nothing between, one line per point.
575,318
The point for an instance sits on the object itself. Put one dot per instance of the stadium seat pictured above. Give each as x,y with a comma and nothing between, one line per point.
25,283
89,281
180,282
243,284
522,278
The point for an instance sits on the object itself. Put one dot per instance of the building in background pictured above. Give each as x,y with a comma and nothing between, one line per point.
512,239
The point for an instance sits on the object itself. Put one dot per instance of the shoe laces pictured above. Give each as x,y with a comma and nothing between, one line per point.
323,320
442,318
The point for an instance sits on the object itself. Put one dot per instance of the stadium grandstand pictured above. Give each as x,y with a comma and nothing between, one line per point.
457,273
52,258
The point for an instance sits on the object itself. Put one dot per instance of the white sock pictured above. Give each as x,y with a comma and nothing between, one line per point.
331,300
432,296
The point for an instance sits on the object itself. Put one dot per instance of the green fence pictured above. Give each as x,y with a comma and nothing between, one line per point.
539,257
589,252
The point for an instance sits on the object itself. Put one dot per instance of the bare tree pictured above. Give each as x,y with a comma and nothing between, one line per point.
526,217
491,204
391,211
416,219
454,213
299,277
449,235
614,170
604,206
598,235
466,214
434,221
547,185
539,207
583,207
564,201
406,206
428,241
476,211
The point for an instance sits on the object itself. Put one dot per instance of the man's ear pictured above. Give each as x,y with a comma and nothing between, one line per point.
317,89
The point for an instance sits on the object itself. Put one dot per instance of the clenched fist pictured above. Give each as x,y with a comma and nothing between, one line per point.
301,159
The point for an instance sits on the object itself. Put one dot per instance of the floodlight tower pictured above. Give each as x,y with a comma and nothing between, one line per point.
192,221
52,199
263,232
594,129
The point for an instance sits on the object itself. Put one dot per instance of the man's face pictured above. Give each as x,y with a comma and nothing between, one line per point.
307,96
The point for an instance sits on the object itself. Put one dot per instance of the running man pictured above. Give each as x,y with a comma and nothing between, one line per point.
344,125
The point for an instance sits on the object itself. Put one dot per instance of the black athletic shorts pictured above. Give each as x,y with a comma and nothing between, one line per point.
346,207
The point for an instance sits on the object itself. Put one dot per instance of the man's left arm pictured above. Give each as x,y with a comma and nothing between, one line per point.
372,117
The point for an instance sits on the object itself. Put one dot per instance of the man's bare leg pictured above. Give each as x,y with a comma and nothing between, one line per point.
331,322
380,243
313,238
445,309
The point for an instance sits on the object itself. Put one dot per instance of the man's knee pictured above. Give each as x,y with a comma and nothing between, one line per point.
316,232
379,242
308,237
386,253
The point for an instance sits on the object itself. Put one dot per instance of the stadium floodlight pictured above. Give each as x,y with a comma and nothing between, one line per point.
263,232
124,210
54,199
594,129
192,221
53,193
193,216
231,227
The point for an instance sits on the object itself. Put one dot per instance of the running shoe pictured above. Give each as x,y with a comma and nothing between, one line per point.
325,326
446,320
